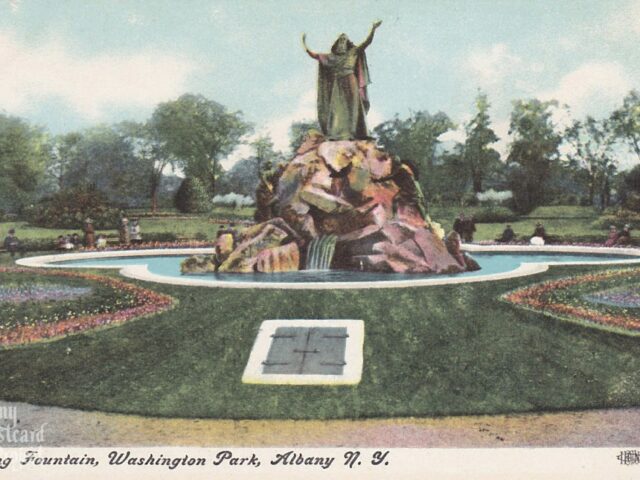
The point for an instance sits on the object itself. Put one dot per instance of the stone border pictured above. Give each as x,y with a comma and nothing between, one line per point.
141,272
353,354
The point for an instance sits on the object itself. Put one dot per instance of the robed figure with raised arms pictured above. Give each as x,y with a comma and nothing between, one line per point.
343,77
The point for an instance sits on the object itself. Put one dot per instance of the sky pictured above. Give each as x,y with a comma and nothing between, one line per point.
71,64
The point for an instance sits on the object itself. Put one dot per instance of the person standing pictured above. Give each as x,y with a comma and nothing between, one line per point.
468,229
124,231
135,232
89,233
458,225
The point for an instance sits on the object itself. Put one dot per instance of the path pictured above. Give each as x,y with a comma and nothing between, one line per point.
592,428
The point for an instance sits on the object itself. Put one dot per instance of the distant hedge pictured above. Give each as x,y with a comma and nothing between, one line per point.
70,208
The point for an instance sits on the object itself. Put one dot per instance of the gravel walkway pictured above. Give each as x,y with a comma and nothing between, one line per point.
592,428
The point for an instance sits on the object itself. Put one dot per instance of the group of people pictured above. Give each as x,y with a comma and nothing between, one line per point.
539,236
129,232
465,227
618,237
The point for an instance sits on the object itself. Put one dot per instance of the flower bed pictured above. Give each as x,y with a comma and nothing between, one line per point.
573,299
40,293
114,302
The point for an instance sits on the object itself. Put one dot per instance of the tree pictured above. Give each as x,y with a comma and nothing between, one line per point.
24,153
150,154
199,132
416,139
592,156
192,197
64,153
532,152
105,161
479,157
298,131
263,150
626,121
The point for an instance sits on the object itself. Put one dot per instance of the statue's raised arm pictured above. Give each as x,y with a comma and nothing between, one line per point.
369,39
306,48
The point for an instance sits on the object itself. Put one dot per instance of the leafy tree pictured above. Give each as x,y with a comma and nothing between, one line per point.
626,121
264,152
64,153
298,132
454,182
479,157
242,178
150,154
592,156
104,161
199,132
417,139
192,196
24,153
533,150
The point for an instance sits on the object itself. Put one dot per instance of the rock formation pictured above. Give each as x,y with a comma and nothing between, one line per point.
349,190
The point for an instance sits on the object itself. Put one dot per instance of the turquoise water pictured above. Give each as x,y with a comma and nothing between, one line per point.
491,263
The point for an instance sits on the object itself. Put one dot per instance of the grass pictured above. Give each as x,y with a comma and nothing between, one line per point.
564,221
428,351
560,221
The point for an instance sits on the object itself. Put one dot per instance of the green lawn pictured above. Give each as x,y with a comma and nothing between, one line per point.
562,221
428,351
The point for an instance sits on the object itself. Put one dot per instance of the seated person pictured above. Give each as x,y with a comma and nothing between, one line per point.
539,231
508,235
536,241
67,244
624,238
612,238
101,242
11,242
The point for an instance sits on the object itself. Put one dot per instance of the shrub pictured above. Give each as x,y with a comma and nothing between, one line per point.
234,200
617,217
192,197
494,196
69,208
494,214
160,237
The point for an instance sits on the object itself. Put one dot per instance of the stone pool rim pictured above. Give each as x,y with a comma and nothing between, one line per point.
141,272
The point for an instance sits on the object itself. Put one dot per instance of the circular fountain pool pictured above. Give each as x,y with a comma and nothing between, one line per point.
497,262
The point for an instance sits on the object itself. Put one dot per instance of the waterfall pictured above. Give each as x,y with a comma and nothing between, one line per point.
320,252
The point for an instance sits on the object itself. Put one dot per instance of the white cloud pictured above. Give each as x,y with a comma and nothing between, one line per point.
491,67
592,88
89,85
14,5
135,19
624,22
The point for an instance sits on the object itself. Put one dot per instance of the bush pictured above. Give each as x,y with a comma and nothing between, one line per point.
160,237
617,217
192,197
492,196
69,208
493,214
234,200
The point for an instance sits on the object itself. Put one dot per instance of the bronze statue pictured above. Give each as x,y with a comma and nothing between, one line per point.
343,77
